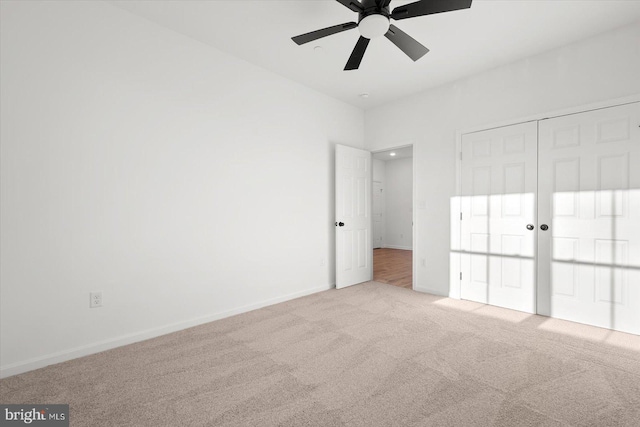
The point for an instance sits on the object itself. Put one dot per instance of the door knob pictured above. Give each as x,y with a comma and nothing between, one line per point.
544,227
530,227
339,224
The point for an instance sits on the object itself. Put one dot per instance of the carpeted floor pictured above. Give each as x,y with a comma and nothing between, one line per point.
369,355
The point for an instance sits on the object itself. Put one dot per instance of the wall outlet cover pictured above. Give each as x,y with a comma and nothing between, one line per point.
95,300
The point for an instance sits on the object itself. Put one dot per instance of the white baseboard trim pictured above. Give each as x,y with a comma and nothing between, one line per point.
404,248
429,291
85,350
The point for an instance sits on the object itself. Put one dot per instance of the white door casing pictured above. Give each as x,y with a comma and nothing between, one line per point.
589,196
498,173
354,250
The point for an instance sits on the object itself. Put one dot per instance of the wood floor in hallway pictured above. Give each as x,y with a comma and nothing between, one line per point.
393,266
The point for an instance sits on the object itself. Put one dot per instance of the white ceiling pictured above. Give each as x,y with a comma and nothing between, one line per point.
400,153
461,43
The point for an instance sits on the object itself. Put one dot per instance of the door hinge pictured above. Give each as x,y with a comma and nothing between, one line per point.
461,275
460,216
461,155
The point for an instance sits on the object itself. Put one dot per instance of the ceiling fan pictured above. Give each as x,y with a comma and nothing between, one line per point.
374,21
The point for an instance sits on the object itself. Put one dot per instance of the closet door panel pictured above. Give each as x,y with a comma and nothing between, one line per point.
589,196
497,203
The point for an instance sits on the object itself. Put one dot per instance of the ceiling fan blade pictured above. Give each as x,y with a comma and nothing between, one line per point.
428,7
318,34
358,52
406,43
354,5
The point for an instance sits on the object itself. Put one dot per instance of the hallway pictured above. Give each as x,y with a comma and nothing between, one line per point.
393,266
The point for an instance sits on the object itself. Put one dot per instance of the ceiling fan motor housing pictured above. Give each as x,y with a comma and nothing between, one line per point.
373,21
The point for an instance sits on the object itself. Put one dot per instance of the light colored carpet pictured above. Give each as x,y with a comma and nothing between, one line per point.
369,355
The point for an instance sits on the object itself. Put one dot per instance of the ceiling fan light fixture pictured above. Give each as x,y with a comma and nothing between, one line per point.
373,26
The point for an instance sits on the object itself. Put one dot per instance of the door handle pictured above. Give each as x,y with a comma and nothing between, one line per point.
544,227
530,227
339,224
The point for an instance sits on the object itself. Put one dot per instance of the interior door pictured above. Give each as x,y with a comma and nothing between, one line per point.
354,251
589,198
498,216
378,215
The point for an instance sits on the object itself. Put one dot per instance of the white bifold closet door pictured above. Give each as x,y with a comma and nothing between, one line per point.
498,216
589,197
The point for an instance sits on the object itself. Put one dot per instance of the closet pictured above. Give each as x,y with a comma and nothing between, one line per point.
550,217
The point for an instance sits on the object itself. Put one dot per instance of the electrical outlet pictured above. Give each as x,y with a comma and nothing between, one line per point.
95,299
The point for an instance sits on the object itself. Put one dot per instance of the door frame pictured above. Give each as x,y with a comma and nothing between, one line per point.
456,257
413,204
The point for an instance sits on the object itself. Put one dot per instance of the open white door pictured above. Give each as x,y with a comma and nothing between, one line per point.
354,250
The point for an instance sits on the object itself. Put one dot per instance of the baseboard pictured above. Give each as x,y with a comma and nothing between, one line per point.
85,350
404,248
429,291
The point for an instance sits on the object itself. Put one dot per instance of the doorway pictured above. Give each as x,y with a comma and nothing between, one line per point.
393,237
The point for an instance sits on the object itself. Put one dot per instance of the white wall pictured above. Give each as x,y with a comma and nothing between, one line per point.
596,69
183,183
378,170
399,203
